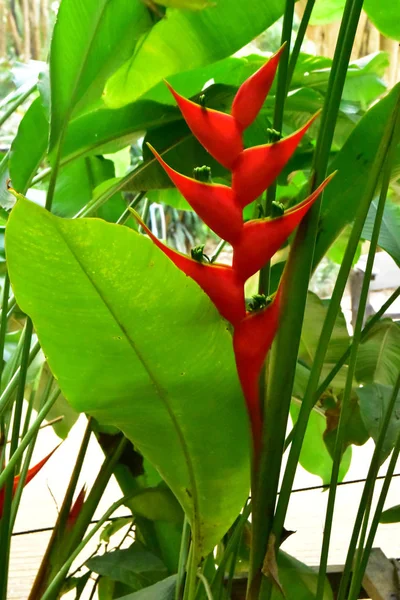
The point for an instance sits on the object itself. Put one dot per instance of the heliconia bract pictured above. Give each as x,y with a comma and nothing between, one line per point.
220,207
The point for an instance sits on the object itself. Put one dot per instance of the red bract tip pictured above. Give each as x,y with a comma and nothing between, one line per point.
215,204
252,93
218,132
76,508
30,475
252,339
256,168
260,239
217,281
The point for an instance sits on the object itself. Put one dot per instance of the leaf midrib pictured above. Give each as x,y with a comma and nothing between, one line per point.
160,392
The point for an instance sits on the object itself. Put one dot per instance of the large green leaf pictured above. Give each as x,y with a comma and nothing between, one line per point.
299,582
374,400
353,162
134,566
185,40
389,235
378,358
90,41
327,11
135,343
385,15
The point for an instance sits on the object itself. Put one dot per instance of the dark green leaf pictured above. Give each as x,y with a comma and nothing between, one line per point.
185,40
378,359
374,400
163,590
391,515
389,235
299,581
87,46
104,302
134,566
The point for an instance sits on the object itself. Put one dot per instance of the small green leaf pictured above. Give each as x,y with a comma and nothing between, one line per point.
391,515
378,358
135,566
389,235
299,581
374,400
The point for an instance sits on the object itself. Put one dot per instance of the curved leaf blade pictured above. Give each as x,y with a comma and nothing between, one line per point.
136,344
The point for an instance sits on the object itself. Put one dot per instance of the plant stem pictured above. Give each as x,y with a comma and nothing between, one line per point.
5,535
218,250
127,213
14,105
367,493
295,287
358,576
3,322
47,562
183,556
277,122
346,401
59,578
191,577
206,585
330,319
13,383
305,19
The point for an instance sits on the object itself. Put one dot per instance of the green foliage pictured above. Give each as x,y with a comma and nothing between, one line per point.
385,16
378,359
391,515
139,331
135,566
163,590
374,400
186,40
389,235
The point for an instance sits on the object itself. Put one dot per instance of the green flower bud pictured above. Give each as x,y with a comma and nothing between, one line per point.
202,174
277,209
273,135
198,255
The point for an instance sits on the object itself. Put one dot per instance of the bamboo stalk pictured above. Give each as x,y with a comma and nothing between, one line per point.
35,29
27,30
3,36
14,33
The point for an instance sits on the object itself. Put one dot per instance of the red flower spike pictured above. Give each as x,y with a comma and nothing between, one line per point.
218,132
76,508
252,93
217,281
252,339
260,239
30,475
256,168
215,204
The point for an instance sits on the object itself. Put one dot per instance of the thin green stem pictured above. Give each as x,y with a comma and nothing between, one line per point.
127,212
367,492
14,105
277,122
59,578
183,556
5,535
54,174
12,385
358,576
284,353
218,250
206,585
4,321
346,400
305,19
310,396
24,443
191,577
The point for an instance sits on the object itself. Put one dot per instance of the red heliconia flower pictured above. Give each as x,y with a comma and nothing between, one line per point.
252,338
255,242
252,93
256,168
214,203
218,281
262,238
29,476
76,508
218,132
